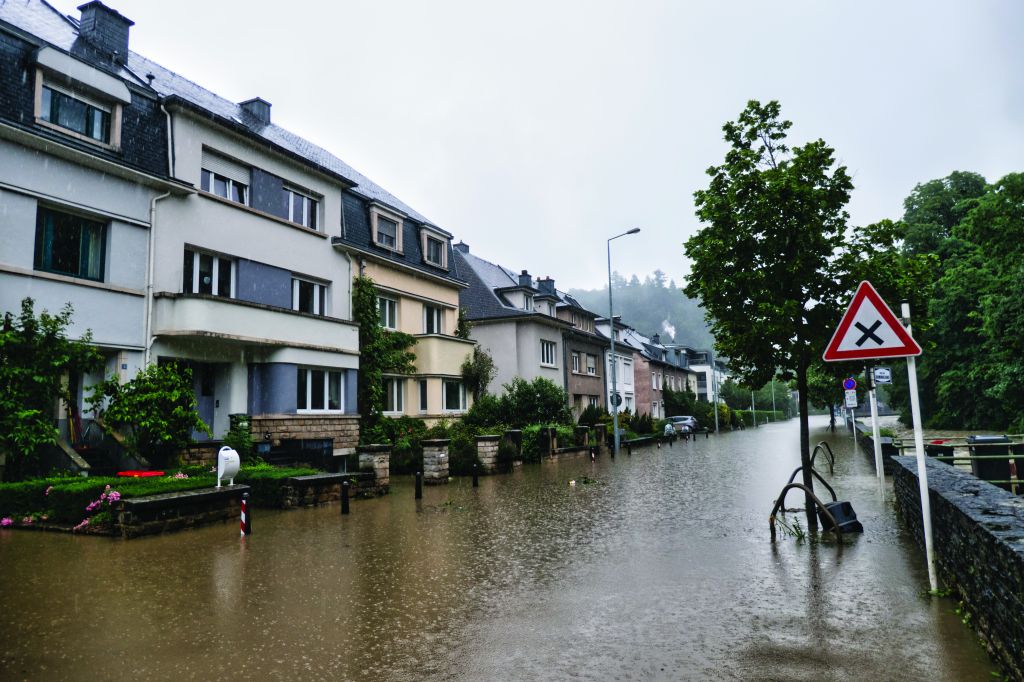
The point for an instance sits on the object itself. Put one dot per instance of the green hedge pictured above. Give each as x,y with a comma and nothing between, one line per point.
763,416
69,497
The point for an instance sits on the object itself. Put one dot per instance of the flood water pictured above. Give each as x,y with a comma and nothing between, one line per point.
661,570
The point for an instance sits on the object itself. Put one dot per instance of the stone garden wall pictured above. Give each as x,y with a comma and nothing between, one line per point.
979,549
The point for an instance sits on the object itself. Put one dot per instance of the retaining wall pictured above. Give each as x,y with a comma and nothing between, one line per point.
979,550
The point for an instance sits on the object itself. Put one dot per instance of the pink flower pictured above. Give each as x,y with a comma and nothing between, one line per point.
93,506
27,520
113,497
48,489
6,521
82,526
181,474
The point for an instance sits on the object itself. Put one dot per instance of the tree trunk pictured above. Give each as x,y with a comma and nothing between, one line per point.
805,443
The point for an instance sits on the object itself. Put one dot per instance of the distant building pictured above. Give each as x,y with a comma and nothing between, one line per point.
514,320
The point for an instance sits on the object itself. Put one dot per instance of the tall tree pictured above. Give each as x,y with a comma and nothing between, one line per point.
768,265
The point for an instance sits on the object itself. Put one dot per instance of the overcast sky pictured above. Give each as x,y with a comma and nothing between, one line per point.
536,130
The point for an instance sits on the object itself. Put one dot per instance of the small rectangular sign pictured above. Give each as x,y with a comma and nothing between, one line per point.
851,398
883,375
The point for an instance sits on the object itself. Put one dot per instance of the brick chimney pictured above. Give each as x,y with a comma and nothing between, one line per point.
525,280
546,285
257,108
656,340
105,29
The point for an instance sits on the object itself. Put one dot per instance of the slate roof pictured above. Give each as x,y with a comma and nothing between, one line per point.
42,20
483,300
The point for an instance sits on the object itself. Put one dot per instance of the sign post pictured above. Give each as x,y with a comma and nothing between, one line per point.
870,330
875,433
922,469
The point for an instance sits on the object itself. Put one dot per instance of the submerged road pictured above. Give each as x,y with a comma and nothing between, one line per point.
661,569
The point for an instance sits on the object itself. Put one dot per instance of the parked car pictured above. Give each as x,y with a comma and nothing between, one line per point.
685,424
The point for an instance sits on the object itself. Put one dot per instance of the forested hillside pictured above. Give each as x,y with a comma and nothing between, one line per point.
655,305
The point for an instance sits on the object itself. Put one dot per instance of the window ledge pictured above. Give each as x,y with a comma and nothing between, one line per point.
78,136
544,364
67,279
262,214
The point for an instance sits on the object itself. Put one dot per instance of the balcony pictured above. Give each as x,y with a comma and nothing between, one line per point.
250,323
440,354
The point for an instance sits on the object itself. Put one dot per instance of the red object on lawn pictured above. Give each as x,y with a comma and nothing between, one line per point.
135,473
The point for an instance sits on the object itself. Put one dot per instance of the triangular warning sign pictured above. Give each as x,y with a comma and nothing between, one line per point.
869,330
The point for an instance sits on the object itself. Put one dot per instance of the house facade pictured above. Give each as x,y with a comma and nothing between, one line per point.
513,319
83,160
188,228
412,264
583,350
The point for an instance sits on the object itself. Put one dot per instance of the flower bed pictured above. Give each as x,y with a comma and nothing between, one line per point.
68,501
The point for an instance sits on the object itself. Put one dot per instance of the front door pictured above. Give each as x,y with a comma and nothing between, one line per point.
202,384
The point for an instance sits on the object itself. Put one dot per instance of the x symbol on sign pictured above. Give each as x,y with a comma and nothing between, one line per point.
869,332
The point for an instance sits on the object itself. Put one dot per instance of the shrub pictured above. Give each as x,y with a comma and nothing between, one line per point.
535,402
486,411
239,438
591,415
643,424
507,453
156,410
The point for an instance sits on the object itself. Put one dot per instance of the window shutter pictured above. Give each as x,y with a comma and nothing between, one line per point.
227,168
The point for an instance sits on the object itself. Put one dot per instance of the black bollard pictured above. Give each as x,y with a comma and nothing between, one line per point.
246,516
476,481
344,497
419,485
707,434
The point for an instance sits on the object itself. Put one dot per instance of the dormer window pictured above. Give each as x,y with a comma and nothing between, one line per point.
78,115
77,100
386,228
527,302
435,251
434,246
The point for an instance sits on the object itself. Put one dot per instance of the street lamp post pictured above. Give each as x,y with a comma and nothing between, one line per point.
611,334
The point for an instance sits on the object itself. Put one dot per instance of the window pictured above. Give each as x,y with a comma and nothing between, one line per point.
388,308
423,395
68,244
88,119
318,390
629,403
205,273
387,232
394,390
575,362
223,186
592,400
527,302
547,352
577,401
654,381
308,297
435,252
302,208
454,395
591,364
433,320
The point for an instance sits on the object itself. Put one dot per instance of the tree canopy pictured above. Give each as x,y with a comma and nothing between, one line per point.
775,262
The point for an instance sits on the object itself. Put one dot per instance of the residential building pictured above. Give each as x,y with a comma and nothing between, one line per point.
412,264
708,379
513,319
189,228
627,357
83,159
583,352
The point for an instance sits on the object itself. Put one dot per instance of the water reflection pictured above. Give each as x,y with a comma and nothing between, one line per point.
660,570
